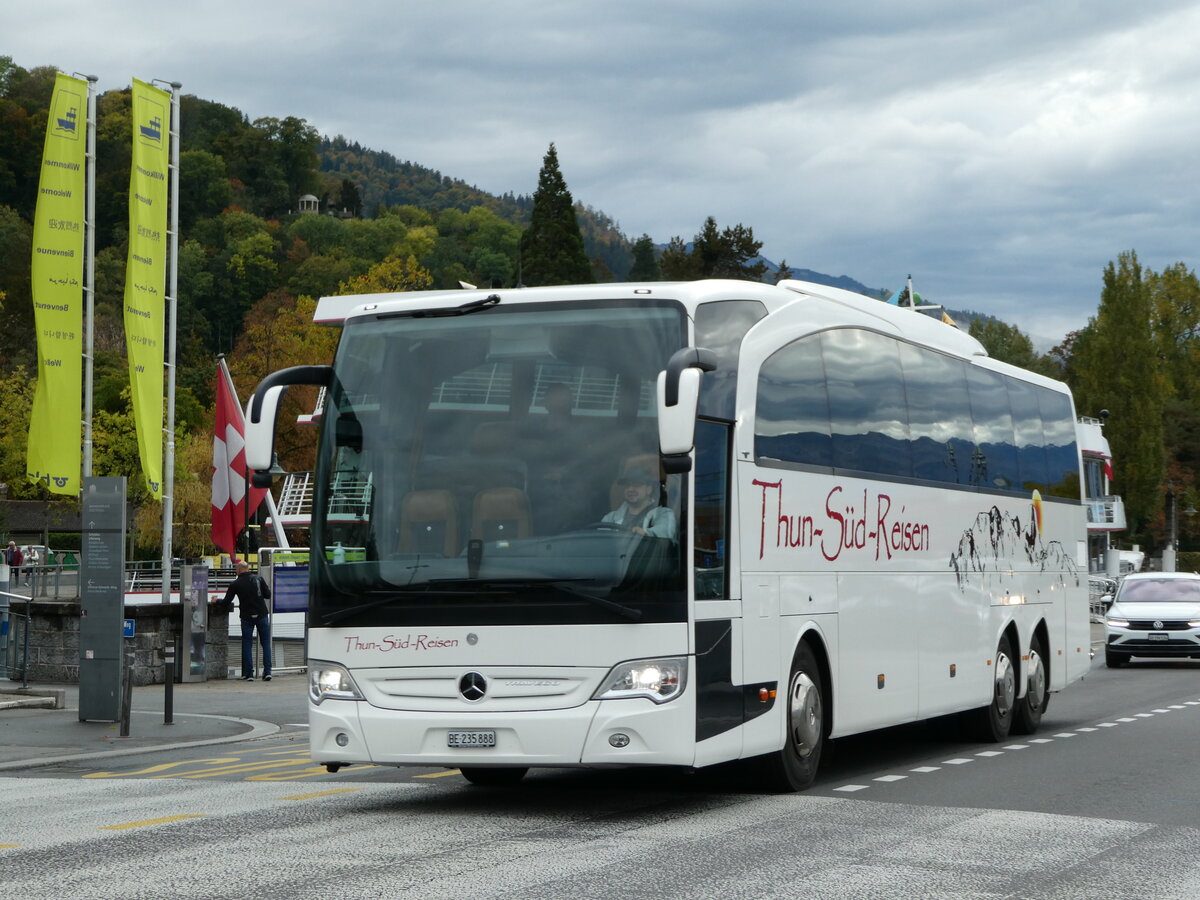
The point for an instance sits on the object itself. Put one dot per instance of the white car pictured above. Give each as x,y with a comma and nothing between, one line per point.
1154,614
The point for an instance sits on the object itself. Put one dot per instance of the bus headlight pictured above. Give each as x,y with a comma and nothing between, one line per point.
659,680
329,681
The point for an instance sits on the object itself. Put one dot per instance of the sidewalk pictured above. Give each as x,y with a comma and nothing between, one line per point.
210,712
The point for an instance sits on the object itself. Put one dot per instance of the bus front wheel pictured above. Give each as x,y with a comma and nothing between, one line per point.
1032,706
794,767
485,777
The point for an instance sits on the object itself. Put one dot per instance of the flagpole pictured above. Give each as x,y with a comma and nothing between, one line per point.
172,316
89,274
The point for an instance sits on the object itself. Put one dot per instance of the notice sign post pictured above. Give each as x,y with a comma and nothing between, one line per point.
102,599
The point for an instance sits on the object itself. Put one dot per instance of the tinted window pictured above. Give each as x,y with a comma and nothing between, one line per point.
939,415
1062,452
793,408
720,327
1031,442
994,459
868,415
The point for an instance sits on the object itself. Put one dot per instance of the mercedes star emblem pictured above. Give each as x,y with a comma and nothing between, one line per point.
472,686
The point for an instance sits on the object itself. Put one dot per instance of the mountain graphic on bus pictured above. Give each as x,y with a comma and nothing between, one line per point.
153,130
67,122
995,543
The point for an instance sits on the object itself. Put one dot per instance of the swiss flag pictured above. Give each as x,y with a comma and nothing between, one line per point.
229,467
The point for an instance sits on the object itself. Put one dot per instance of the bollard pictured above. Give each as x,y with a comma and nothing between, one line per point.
169,683
126,690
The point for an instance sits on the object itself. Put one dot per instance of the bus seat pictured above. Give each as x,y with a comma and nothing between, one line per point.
499,514
492,439
650,461
429,523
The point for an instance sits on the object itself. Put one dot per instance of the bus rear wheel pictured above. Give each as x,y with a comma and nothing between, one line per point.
794,767
993,722
1032,706
488,777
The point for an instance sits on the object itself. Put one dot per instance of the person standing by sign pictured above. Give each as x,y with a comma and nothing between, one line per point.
252,594
13,557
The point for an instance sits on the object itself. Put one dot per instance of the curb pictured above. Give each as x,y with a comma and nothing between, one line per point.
257,729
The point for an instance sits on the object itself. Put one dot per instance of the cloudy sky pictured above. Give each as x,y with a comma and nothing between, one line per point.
1001,153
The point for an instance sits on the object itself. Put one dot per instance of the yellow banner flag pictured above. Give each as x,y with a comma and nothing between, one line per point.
55,424
145,273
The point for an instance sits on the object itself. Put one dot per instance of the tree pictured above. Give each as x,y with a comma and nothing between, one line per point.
393,274
677,263
645,264
783,273
552,246
1118,368
715,254
1175,295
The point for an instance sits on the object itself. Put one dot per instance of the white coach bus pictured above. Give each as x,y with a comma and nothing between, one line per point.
676,524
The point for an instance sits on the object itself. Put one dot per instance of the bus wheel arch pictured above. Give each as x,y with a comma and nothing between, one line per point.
1032,704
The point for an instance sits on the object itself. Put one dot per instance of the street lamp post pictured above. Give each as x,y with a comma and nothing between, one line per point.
1168,557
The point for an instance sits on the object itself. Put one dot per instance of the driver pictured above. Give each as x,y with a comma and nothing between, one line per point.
641,513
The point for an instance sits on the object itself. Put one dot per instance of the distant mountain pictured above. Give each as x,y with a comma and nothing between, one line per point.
845,282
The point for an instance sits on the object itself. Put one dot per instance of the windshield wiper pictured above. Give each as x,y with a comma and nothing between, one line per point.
464,309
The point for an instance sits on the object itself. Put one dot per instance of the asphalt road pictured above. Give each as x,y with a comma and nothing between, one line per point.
1103,802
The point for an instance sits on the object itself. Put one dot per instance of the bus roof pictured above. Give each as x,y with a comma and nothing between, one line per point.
906,322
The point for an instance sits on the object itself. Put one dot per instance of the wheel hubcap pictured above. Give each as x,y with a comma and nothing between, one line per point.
1006,685
804,714
1037,680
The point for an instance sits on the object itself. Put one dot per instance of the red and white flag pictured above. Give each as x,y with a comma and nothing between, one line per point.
229,510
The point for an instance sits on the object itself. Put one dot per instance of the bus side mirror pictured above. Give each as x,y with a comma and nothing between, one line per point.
263,408
678,400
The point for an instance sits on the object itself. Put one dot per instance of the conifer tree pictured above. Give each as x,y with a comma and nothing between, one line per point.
552,246
645,265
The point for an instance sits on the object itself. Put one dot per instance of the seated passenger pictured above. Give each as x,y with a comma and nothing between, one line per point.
640,513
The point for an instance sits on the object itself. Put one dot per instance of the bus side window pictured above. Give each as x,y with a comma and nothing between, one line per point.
720,327
792,415
712,512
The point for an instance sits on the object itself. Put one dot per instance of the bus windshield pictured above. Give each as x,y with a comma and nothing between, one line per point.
499,466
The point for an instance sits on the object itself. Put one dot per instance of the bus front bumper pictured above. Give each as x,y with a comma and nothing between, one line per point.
626,732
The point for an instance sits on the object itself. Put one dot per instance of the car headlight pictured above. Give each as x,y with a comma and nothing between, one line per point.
659,680
1194,623
1117,623
329,681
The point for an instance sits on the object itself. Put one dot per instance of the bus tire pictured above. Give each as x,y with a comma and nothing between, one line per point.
794,767
490,777
1032,706
993,722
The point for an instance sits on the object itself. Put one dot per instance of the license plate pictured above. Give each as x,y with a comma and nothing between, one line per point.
1159,636
471,739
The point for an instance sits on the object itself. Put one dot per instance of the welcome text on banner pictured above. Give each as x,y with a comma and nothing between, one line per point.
55,447
145,273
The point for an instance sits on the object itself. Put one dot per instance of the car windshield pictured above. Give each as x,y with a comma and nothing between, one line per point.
474,469
1160,590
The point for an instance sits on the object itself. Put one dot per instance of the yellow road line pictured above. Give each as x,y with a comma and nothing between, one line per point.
239,769
301,773
439,774
146,822
322,794
216,760
9,846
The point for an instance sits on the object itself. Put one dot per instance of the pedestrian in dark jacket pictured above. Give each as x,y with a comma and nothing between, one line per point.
252,595
14,558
